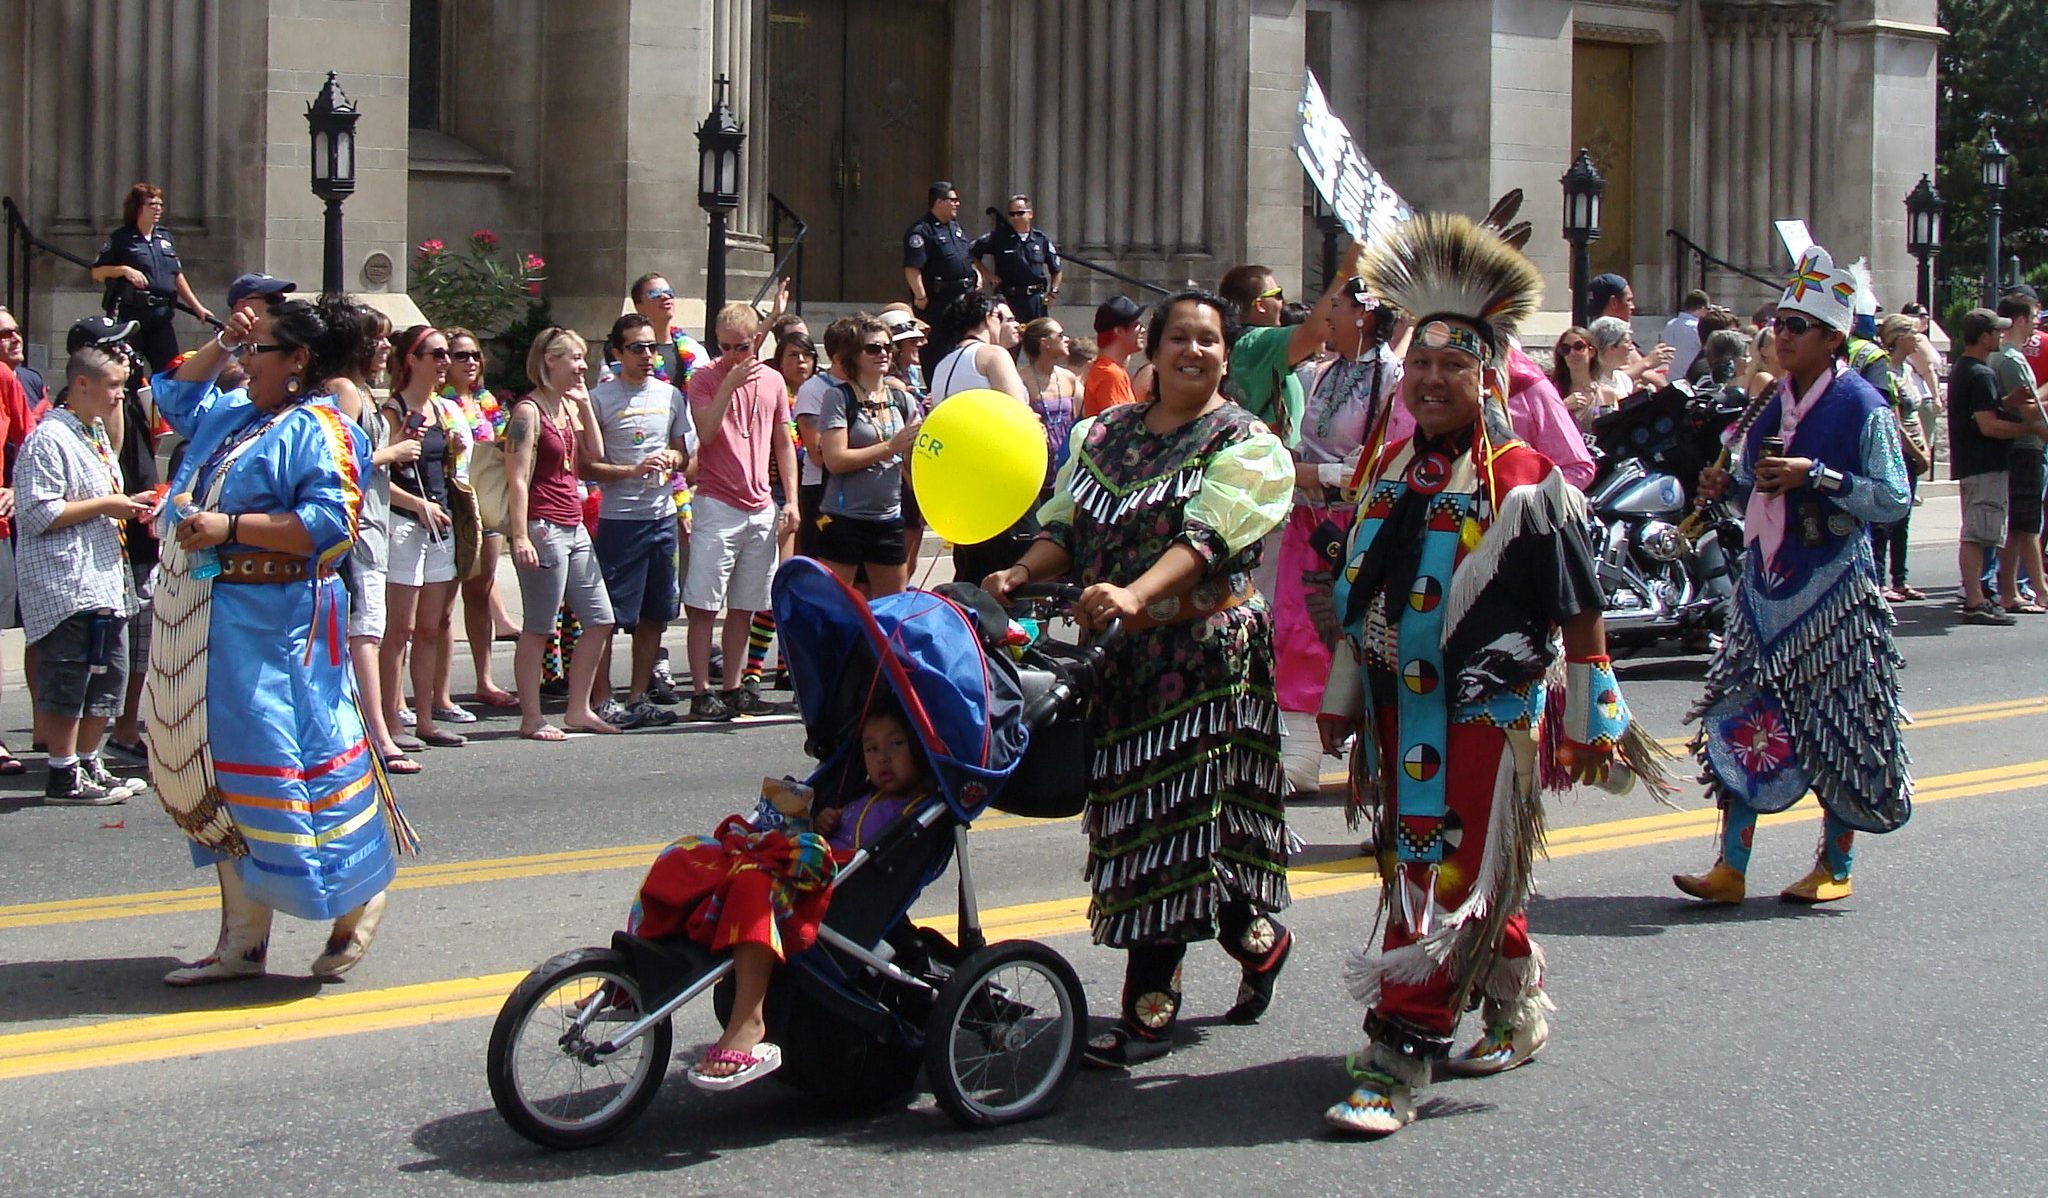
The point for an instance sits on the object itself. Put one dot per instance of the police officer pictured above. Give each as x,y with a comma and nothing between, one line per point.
1026,266
144,277
936,261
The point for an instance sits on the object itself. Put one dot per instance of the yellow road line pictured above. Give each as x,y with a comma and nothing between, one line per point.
636,856
161,1037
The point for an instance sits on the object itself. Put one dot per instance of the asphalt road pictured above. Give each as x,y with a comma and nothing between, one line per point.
1885,1045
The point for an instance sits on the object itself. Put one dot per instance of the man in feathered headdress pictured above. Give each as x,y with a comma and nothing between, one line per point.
1468,558
1803,693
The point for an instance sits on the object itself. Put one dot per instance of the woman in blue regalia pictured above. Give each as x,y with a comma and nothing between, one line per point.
256,739
1803,694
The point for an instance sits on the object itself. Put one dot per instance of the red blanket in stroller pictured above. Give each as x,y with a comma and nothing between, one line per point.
737,886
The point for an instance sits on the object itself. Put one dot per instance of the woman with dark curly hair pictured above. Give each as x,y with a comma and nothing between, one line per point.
257,743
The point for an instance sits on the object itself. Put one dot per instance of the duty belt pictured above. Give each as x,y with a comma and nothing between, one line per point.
262,567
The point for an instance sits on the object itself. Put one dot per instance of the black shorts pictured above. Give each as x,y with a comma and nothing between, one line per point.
2024,479
850,542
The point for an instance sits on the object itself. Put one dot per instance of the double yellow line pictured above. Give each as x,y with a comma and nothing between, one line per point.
636,856
349,1012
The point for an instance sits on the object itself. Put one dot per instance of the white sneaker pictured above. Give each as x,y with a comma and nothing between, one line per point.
407,718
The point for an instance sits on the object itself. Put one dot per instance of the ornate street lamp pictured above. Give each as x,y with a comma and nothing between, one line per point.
1995,167
1583,188
331,118
1924,207
719,140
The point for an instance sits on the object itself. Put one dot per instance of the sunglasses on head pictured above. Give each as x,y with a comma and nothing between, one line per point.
640,347
660,293
1794,326
467,355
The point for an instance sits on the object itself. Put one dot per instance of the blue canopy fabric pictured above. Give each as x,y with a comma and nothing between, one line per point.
964,704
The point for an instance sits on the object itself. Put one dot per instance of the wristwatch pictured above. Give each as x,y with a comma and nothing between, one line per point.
1827,481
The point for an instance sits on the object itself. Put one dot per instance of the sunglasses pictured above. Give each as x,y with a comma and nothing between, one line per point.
1793,326
640,347
1576,347
467,355
660,293
275,347
1021,212
878,348
1277,293
438,355
9,334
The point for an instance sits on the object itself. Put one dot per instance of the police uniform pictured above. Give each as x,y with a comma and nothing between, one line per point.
1024,268
151,307
940,253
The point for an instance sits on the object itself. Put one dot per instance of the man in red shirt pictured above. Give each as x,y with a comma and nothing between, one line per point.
1119,333
741,409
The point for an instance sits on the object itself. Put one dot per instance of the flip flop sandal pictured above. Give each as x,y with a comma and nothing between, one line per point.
408,743
764,1060
10,765
402,766
502,700
445,740
1909,594
546,732
2026,609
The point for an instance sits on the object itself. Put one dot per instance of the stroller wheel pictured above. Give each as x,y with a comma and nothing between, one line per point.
1006,1037
547,1077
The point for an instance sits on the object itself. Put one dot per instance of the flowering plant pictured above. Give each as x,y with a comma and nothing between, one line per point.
477,287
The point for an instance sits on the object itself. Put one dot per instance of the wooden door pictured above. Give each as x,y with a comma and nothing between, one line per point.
859,101
806,102
898,74
1603,121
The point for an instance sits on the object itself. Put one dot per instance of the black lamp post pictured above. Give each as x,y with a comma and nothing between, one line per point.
1583,188
1924,207
1996,171
719,140
331,118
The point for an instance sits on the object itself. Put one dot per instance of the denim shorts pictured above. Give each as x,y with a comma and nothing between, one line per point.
65,683
638,559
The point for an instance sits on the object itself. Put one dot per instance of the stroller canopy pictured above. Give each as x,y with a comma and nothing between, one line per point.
963,703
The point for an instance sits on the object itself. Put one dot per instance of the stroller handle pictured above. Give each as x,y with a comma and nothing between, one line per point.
1096,648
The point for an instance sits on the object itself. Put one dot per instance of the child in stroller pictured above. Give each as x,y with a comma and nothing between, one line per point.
760,889
876,1000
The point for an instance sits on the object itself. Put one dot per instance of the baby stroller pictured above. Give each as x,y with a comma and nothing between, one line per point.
582,1044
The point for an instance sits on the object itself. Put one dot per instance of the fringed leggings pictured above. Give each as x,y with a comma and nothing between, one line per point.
1738,837
1481,773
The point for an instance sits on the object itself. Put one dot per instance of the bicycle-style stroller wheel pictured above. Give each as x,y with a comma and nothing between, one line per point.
546,1076
1006,1036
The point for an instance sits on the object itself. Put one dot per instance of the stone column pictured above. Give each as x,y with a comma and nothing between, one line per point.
1884,138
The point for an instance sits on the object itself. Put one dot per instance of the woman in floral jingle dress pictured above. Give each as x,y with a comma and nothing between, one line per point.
1158,513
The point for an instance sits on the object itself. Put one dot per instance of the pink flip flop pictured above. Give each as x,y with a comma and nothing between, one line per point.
764,1060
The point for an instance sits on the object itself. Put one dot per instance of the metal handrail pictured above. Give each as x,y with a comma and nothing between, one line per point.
1113,273
782,257
1705,257
21,243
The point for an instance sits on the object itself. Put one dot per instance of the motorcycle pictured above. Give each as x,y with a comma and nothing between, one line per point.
1667,560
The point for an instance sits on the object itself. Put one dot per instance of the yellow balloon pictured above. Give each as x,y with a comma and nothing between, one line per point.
978,465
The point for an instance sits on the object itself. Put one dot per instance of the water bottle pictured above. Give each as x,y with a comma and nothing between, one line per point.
205,562
99,631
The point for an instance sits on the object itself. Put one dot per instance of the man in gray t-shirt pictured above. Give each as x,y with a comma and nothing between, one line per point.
648,436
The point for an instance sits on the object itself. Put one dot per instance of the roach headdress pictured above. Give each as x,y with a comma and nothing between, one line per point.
1442,265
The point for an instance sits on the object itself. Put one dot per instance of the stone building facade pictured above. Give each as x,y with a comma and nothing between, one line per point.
1154,135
